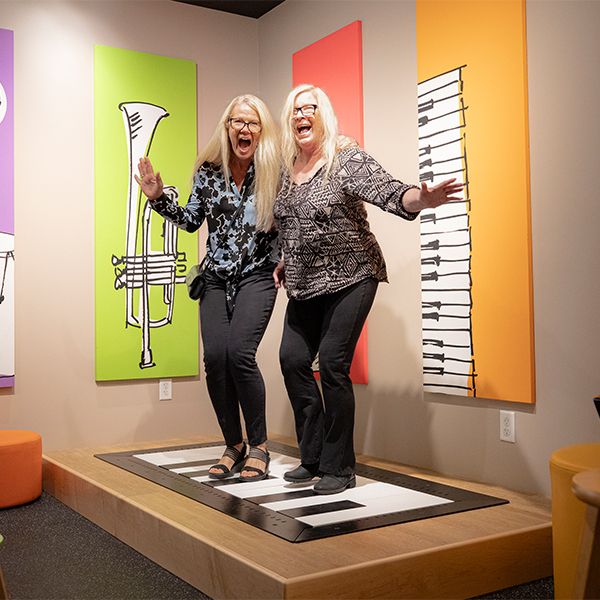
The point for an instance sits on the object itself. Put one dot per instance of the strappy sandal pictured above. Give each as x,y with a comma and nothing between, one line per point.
259,473
237,456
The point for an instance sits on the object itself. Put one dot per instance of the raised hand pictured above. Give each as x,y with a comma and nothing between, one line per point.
150,182
432,197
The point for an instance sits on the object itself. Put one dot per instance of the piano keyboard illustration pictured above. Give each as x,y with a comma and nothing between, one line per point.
448,357
293,511
368,499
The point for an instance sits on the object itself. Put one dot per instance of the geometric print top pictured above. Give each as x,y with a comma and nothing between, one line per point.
323,229
243,249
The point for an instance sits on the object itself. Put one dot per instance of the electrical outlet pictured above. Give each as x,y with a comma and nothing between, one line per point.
507,426
165,391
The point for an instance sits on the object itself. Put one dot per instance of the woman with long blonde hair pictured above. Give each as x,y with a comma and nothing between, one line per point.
236,177
331,267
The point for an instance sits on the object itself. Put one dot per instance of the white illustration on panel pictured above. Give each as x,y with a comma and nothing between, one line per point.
166,267
448,358
3,103
7,308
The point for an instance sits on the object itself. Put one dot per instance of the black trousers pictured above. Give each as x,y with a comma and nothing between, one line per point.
230,341
330,325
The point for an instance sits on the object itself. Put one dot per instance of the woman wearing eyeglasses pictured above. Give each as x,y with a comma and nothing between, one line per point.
331,267
235,184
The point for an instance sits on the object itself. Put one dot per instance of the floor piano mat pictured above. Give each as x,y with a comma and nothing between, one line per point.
293,511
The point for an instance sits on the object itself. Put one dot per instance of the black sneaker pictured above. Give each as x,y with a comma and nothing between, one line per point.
334,484
302,473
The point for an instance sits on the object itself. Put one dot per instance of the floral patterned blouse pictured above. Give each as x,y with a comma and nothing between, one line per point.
323,229
237,250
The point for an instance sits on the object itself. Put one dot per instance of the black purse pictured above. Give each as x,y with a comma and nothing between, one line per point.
196,276
196,279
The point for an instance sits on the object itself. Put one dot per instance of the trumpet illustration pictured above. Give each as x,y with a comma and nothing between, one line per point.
141,267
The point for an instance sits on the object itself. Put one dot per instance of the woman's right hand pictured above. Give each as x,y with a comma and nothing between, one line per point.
150,182
279,274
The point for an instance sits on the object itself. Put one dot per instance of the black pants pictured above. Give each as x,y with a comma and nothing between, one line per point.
230,342
330,325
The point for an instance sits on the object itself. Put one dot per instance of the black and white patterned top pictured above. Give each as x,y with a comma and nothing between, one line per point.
323,229
243,249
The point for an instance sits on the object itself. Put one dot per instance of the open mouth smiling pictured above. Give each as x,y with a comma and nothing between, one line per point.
303,128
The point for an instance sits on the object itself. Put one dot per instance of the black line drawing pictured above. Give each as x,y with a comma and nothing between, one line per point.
446,239
4,258
7,340
141,267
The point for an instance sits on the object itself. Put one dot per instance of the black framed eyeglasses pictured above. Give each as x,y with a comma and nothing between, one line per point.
308,110
239,124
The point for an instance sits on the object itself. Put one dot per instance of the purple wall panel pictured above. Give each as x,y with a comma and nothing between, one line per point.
7,221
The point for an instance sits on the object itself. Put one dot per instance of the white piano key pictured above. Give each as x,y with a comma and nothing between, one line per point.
443,123
460,254
180,470
261,488
456,222
446,238
202,478
187,455
406,500
446,323
365,489
433,382
454,296
449,310
447,389
451,339
459,281
438,85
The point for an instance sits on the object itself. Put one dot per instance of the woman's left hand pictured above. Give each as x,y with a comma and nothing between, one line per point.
432,197
279,274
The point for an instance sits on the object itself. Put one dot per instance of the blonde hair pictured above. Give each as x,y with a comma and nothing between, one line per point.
266,160
332,141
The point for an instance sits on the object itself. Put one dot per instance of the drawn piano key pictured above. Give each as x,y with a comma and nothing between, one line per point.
448,356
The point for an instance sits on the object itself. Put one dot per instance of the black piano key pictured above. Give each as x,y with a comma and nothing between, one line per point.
199,473
281,496
318,509
231,481
191,463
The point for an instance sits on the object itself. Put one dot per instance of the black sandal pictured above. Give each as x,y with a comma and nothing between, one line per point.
238,457
259,473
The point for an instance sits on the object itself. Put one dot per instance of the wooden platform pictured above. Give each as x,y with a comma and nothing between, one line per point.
453,556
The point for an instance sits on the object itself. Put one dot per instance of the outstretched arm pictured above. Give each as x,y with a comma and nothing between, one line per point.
415,200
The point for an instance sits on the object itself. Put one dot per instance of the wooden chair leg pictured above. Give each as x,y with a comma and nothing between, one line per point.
586,486
587,581
3,591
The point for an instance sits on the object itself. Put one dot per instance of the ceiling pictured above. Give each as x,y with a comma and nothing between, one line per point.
247,8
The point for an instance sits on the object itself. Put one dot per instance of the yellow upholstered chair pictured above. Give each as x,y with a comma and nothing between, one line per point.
568,512
586,486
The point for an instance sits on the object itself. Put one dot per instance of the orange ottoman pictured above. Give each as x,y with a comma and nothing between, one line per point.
568,512
20,467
